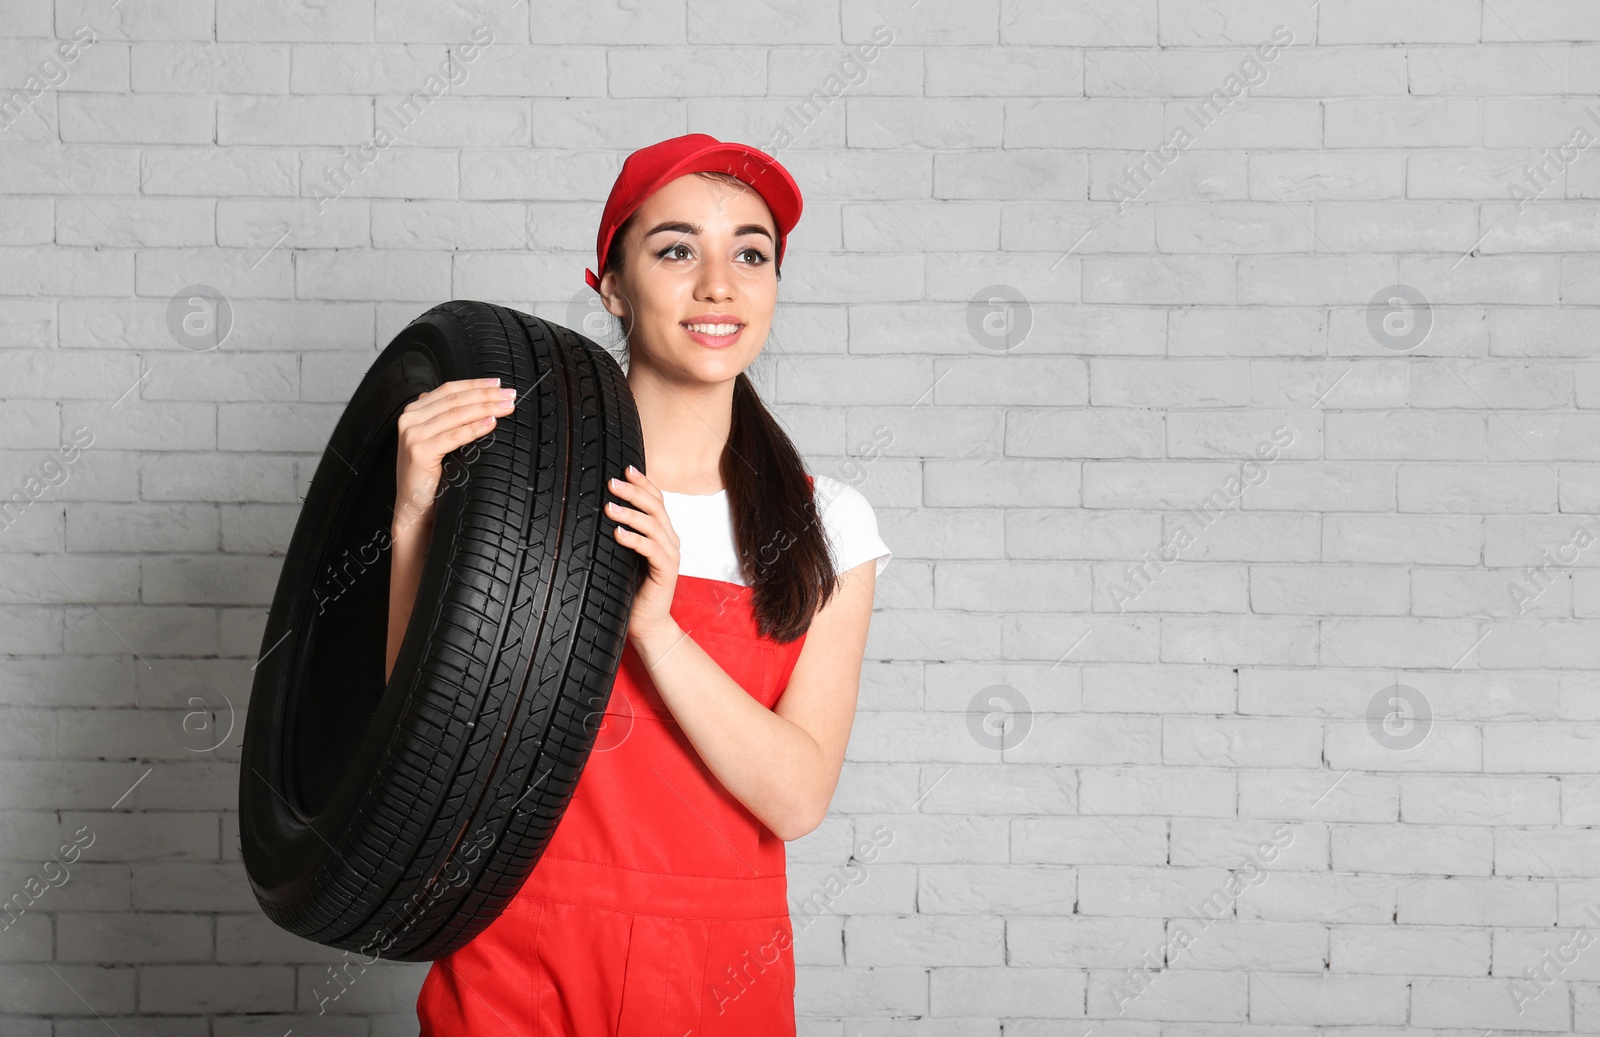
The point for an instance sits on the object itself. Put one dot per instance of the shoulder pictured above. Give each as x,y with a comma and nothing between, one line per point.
850,524
842,503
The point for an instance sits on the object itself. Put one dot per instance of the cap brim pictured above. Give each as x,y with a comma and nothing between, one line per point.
769,179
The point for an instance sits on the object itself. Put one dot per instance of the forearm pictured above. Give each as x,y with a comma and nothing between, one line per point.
771,765
408,551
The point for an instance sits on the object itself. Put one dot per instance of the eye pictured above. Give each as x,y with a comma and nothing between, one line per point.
760,259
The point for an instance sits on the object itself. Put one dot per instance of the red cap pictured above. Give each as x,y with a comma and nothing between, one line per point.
649,169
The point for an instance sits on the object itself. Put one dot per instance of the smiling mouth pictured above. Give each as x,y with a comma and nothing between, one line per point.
714,330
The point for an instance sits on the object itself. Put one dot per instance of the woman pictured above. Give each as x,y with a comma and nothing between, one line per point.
659,906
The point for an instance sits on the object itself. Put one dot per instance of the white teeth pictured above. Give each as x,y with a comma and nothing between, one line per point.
714,329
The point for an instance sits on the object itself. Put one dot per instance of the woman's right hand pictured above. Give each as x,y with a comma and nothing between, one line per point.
431,426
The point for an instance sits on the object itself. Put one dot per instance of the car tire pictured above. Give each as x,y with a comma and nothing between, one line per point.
397,819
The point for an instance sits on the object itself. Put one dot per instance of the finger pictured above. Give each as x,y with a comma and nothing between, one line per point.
432,403
637,496
638,478
429,424
643,521
441,443
650,514
653,531
452,394
626,491
662,556
645,497
653,505
444,389
642,544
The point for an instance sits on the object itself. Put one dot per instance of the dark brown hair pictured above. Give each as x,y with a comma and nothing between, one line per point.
777,528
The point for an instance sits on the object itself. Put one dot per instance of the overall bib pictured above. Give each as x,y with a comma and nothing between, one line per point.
660,907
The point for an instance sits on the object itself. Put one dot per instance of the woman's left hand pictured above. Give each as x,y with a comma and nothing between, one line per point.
651,535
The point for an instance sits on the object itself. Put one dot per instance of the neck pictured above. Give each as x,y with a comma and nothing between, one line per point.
685,425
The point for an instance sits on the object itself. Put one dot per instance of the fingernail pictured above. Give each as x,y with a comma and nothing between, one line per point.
632,470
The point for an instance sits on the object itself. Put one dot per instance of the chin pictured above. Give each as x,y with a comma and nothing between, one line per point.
721,369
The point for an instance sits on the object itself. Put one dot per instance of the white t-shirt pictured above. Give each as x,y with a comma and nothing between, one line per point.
705,530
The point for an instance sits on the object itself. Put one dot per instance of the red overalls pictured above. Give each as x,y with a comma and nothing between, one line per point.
660,907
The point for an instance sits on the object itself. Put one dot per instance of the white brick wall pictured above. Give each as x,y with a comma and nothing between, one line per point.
1160,738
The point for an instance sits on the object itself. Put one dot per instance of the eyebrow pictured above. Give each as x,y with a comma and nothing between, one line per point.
690,228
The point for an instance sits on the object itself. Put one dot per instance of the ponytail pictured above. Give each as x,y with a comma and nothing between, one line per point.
777,529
